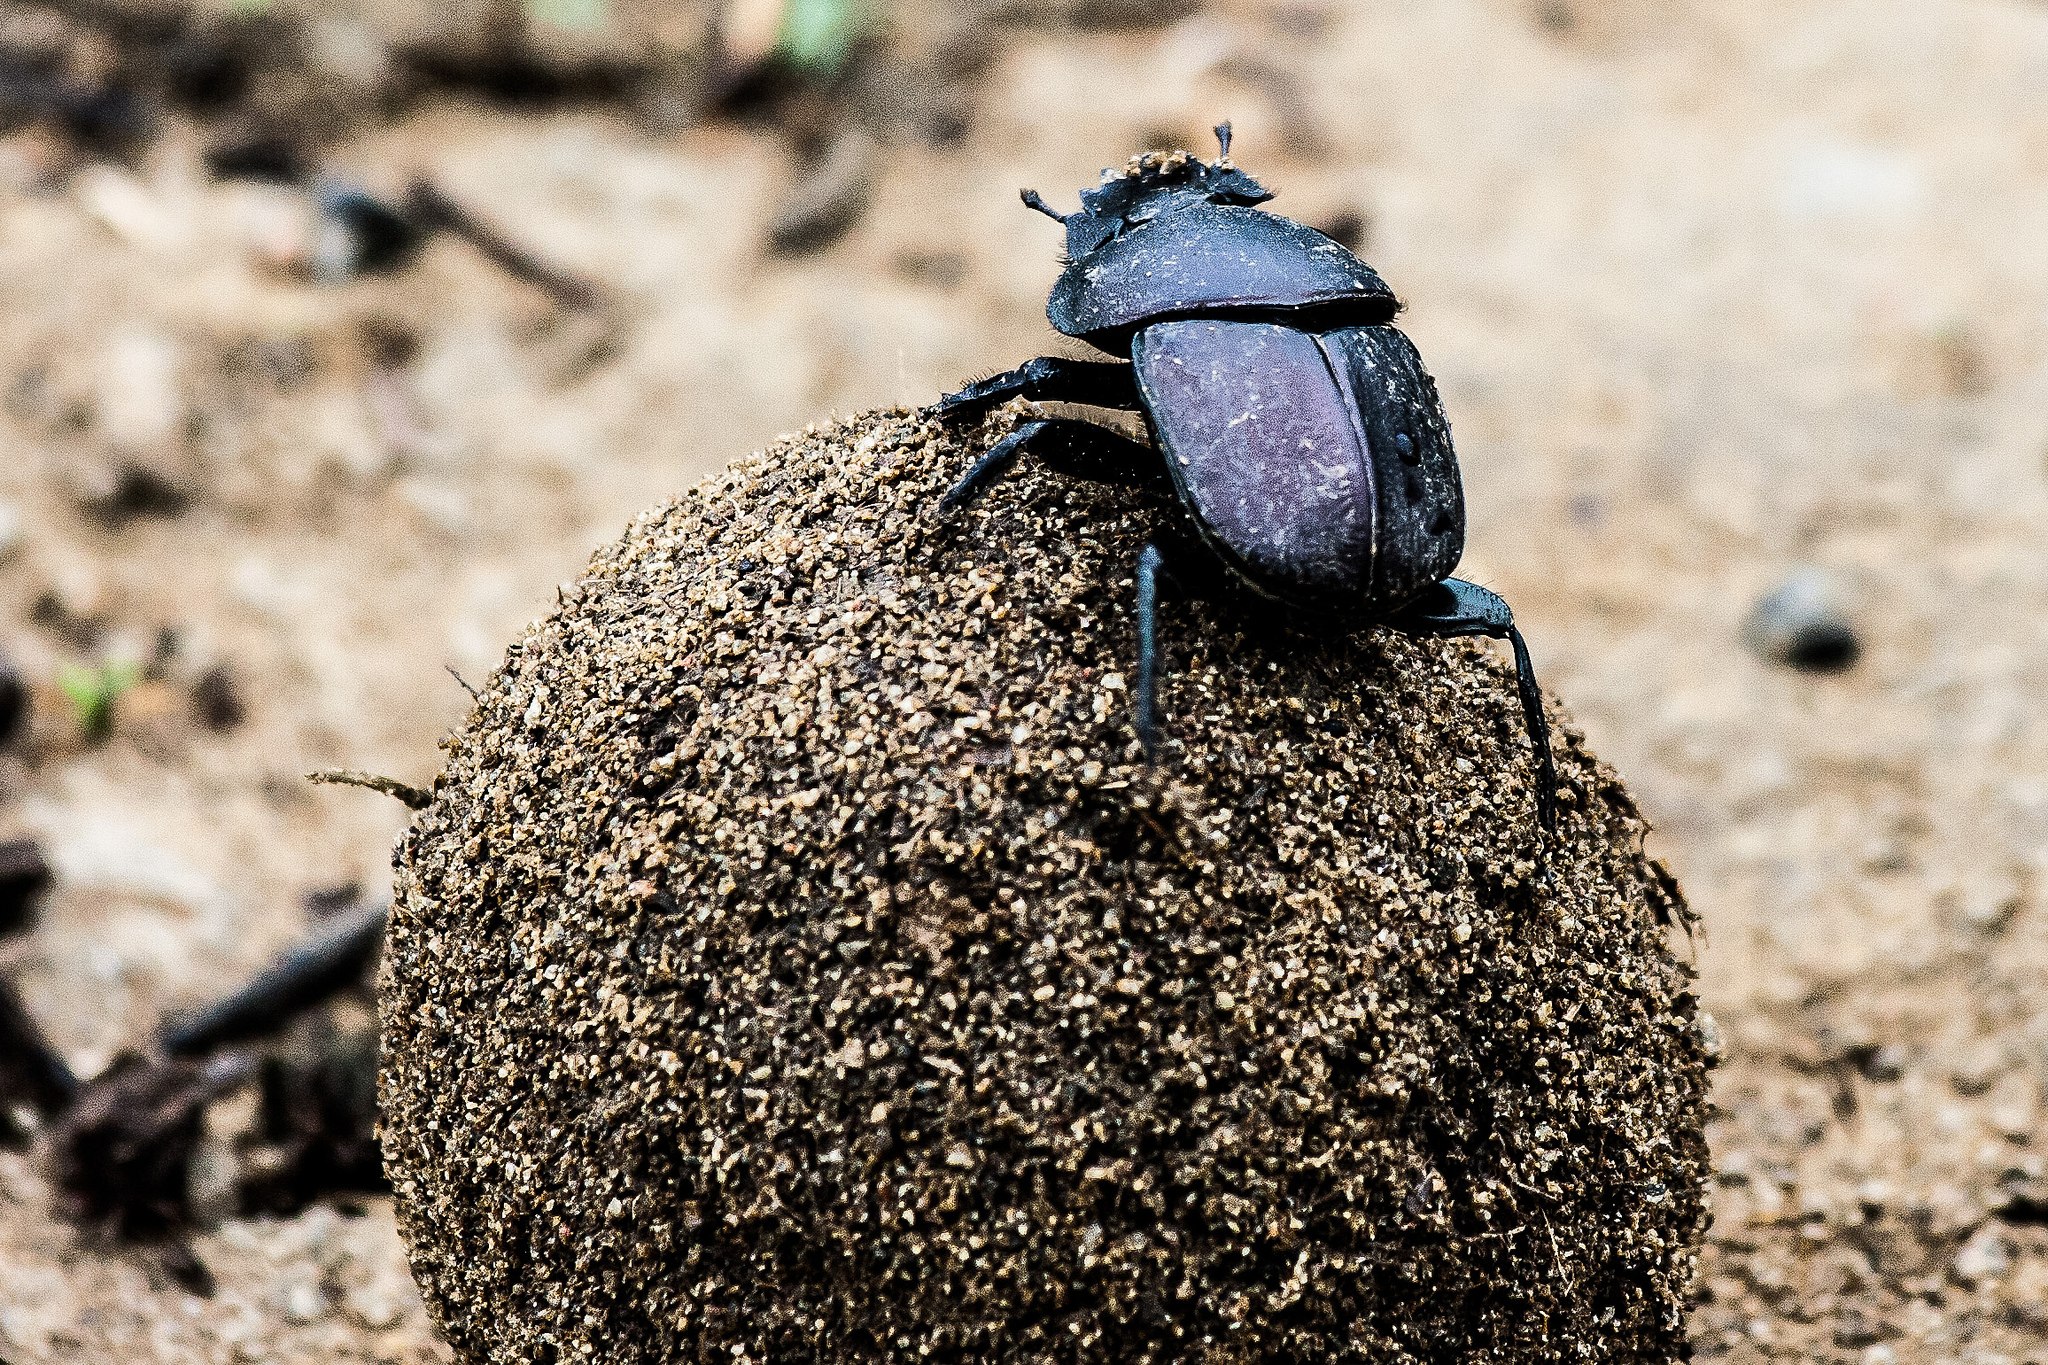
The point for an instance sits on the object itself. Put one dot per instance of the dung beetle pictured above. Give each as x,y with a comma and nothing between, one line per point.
1292,424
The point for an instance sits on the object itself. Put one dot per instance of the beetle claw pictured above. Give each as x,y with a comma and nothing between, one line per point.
1454,607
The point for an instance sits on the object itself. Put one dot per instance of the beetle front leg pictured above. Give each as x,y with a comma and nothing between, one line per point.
1069,446
1053,378
1455,607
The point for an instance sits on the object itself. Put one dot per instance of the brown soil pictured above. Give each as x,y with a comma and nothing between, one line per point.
1711,291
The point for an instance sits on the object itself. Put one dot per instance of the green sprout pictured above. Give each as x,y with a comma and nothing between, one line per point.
573,14
94,691
819,35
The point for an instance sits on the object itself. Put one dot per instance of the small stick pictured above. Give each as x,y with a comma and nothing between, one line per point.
419,798
305,976
431,207
29,1066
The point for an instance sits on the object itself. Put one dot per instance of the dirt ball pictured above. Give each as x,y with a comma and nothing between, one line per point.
797,963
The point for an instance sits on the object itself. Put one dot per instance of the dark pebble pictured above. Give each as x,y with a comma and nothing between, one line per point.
217,699
24,876
1804,624
14,702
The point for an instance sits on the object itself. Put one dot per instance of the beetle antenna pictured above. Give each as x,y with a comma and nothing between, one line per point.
1032,199
1223,140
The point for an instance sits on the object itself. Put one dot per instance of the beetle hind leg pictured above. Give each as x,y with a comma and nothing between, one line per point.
1455,607
1056,379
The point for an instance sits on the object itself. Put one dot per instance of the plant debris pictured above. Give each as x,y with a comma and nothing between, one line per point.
106,119
317,1118
415,797
433,210
797,961
32,1074
122,1152
338,955
24,876
126,1147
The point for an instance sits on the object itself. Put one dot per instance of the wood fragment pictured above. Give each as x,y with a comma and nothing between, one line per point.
416,797
31,1071
121,1155
431,208
302,978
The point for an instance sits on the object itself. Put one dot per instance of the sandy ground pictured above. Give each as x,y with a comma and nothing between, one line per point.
1712,291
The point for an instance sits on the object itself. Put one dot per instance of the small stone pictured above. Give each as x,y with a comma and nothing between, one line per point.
14,701
2022,1192
1712,1043
358,234
75,602
1978,1068
1803,623
1984,1258
130,209
213,1181
1854,1328
217,699
1879,1354
141,394
377,1305
120,491
1987,900
749,29
13,529
304,1302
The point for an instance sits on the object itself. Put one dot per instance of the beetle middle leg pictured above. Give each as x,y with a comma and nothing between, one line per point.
1079,449
1173,560
1151,568
1051,378
1455,607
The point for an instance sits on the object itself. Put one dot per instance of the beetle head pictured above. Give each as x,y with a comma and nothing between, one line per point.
1152,185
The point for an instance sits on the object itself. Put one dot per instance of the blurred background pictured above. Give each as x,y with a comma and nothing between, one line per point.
335,334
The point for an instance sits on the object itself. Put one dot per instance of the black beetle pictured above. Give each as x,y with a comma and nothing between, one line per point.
1292,423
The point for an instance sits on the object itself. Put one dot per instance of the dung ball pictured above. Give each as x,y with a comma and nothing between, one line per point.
798,962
